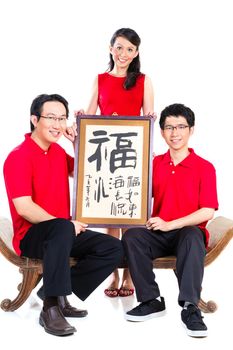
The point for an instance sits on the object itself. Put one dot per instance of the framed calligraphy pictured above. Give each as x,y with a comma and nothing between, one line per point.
112,173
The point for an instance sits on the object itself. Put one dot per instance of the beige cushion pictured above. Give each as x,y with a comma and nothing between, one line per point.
218,228
6,232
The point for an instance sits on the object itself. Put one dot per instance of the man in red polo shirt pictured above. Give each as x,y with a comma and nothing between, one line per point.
36,176
185,198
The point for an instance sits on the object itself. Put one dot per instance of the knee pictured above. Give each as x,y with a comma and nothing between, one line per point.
128,235
131,237
63,229
193,236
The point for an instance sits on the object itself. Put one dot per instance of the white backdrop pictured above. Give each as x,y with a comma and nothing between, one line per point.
58,46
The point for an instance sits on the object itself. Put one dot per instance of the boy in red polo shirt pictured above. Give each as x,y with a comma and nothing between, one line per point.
185,198
36,176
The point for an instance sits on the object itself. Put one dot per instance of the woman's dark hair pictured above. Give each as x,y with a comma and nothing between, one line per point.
133,71
176,110
38,102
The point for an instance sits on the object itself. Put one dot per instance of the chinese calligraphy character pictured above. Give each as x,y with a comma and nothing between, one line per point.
100,190
132,207
123,156
133,181
99,141
88,188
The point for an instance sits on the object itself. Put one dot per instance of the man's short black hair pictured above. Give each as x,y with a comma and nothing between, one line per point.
177,110
38,102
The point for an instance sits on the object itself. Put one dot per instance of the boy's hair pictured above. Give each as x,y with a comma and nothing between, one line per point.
177,110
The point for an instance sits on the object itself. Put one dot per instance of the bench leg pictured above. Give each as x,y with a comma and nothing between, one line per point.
207,307
30,279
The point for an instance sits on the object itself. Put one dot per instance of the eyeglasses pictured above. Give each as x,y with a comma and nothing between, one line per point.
179,127
52,118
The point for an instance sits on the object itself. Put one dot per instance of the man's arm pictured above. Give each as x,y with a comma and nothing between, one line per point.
31,211
148,98
195,218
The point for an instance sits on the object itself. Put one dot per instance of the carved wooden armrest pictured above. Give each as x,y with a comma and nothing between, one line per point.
221,232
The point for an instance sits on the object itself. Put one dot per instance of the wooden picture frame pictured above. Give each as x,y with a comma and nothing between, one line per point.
112,173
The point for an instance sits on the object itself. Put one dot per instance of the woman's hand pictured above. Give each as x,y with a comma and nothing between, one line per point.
153,115
79,112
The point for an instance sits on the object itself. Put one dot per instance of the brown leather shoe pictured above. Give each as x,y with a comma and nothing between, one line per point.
65,307
69,310
54,322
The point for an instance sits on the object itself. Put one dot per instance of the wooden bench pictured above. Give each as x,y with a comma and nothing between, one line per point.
221,232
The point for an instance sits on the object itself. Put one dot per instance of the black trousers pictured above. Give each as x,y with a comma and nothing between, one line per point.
187,244
54,241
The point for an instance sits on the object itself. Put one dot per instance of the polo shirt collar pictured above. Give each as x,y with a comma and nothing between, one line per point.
187,162
33,145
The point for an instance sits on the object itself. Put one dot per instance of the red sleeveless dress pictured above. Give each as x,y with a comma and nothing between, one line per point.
114,99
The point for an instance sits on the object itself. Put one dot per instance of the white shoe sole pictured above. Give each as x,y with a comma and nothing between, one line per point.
144,318
195,334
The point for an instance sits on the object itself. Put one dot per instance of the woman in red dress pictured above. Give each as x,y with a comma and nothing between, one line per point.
122,91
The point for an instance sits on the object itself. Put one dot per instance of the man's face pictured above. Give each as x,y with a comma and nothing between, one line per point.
51,124
176,132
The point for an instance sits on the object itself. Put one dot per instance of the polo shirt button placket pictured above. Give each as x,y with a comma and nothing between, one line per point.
173,171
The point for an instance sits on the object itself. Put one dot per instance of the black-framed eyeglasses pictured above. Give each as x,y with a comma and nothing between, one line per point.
52,118
179,127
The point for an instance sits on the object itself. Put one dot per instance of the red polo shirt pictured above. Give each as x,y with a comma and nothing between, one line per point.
43,175
182,189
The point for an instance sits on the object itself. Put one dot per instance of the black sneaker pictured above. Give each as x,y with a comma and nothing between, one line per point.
146,310
192,320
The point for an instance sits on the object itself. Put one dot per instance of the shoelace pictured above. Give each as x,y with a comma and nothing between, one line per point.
194,311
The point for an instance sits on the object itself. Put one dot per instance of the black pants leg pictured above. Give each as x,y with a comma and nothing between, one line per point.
190,252
52,242
142,246
140,249
99,254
